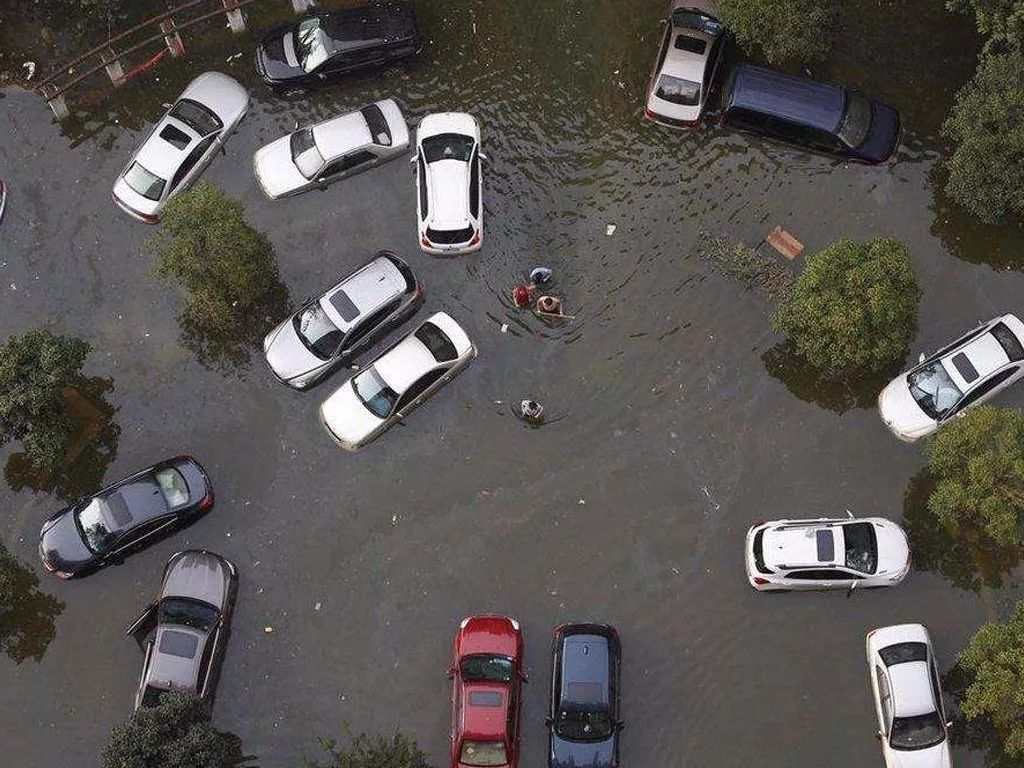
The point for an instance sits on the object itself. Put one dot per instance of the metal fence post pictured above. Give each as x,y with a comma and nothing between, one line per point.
172,38
113,66
235,18
56,101
301,6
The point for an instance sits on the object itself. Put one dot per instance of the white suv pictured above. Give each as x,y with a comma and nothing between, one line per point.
826,554
448,183
908,698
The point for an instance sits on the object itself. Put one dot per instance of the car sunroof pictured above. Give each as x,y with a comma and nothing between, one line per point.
965,367
119,509
179,644
345,306
691,44
176,138
484,699
826,546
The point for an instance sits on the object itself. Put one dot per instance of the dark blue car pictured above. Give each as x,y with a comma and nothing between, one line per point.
584,720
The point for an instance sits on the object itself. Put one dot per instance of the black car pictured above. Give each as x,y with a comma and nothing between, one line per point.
305,53
818,116
584,720
103,529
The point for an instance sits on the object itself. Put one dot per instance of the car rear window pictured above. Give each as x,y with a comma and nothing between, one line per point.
904,652
965,367
378,125
450,236
174,137
690,44
437,342
147,184
759,552
1008,341
197,117
677,90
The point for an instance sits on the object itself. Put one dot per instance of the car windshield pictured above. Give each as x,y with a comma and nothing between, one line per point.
483,753
486,669
933,389
188,613
856,122
173,486
147,184
315,329
861,547
312,44
448,146
583,724
917,732
374,393
688,19
678,91
197,117
97,525
305,155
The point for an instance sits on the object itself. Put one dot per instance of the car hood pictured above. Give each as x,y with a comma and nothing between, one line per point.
344,414
287,356
274,169
581,754
62,545
198,575
933,757
884,136
276,57
901,412
893,548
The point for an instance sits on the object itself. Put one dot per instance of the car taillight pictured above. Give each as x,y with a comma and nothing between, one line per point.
758,580
425,243
206,502
476,238
649,114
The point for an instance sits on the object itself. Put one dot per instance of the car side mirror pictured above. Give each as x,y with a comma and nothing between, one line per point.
853,586
621,724
450,673
921,358
484,157
524,677
412,160
949,724
548,722
880,735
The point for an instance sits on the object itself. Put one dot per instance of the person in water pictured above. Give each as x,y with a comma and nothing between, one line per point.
550,305
531,411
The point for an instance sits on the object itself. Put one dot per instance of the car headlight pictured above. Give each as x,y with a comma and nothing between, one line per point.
304,380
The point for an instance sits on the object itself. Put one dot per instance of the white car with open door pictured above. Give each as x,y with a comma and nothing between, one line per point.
396,382
448,184
971,370
841,553
912,725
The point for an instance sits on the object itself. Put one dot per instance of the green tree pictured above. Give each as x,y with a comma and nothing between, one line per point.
35,367
228,271
853,310
26,614
177,733
1002,21
986,129
362,751
978,462
781,30
993,667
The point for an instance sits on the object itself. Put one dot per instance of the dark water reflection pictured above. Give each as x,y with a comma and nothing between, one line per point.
27,614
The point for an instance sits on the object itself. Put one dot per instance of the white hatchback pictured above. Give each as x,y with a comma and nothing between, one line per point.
449,184
396,382
826,554
972,369
912,724
321,154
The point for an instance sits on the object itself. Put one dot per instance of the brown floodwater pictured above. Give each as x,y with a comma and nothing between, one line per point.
680,418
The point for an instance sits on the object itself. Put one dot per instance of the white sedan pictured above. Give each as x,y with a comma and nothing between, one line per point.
400,379
826,554
905,686
448,184
321,154
963,374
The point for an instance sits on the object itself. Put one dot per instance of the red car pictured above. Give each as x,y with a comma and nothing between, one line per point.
487,678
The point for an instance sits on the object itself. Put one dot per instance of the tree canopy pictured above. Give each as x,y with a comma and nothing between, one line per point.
363,751
781,30
853,310
1001,20
177,733
35,367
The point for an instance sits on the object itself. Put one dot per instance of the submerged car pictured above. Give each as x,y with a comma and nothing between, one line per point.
449,184
826,554
127,516
971,370
179,147
192,616
691,51
331,330
584,718
314,49
400,379
487,676
321,154
818,116
905,686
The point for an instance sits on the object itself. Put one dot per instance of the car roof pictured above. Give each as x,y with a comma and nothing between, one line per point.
911,689
585,669
368,289
341,134
404,363
175,661
983,353
484,711
135,501
818,105
809,544
159,156
686,64
449,194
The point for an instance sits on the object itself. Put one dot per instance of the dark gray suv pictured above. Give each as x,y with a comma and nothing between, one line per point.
192,617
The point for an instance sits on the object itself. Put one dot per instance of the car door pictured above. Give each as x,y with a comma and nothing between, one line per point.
347,165
456,713
883,700
822,578
194,164
140,536
144,624
209,663
420,390
369,331
983,391
145,673
512,724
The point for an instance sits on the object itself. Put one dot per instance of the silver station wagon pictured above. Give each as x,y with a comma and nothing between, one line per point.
329,331
321,154
179,147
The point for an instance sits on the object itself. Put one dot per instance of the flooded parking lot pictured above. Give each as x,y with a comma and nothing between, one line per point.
671,432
